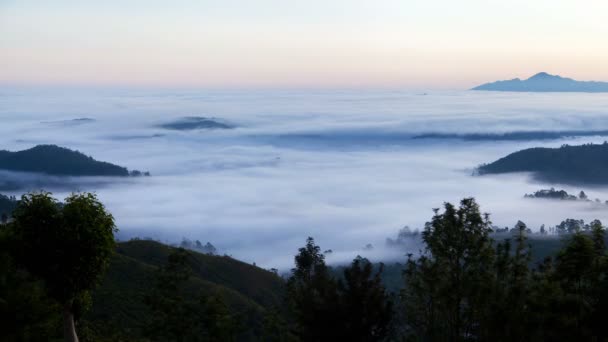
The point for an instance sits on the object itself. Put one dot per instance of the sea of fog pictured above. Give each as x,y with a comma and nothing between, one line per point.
339,166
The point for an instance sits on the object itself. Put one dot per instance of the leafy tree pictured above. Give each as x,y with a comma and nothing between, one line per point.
354,308
446,289
72,242
26,312
313,296
597,233
570,226
367,308
507,313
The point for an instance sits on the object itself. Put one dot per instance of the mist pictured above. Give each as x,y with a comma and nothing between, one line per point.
339,166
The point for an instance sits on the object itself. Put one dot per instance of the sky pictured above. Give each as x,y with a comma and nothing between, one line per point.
314,43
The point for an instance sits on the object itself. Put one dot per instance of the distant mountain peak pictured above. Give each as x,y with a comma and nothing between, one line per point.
545,82
543,75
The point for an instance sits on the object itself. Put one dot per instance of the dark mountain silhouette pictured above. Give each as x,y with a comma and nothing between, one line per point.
567,164
59,161
196,122
514,136
544,82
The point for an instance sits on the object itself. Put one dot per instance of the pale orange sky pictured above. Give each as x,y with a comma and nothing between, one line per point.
314,43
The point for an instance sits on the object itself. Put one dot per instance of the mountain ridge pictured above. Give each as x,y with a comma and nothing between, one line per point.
545,82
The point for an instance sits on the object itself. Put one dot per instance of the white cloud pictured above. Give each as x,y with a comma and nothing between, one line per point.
257,192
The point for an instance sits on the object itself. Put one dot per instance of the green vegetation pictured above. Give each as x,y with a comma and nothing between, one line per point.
567,164
354,308
66,246
7,205
59,161
470,283
122,304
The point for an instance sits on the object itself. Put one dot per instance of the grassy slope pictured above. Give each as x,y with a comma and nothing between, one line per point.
118,304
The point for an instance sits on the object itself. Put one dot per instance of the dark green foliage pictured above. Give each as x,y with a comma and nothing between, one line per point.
447,287
465,286
567,164
355,308
507,298
177,317
73,243
366,306
55,160
313,294
119,303
26,312
276,328
7,205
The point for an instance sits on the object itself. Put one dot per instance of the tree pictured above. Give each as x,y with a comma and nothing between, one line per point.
26,311
366,306
68,246
446,289
570,226
313,296
597,233
507,317
355,308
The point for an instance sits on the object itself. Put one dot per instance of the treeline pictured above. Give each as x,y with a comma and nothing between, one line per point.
7,205
563,195
464,285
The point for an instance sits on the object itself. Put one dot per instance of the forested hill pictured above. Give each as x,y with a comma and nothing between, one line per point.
60,161
119,304
567,164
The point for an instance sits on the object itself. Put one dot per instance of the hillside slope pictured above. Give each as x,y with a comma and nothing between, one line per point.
58,161
567,164
118,304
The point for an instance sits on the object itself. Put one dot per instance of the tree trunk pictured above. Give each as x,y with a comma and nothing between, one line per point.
69,329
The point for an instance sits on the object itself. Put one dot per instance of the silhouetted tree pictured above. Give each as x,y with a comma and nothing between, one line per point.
446,289
366,306
313,296
68,246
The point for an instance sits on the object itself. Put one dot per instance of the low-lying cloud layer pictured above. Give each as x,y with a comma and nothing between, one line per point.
338,166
